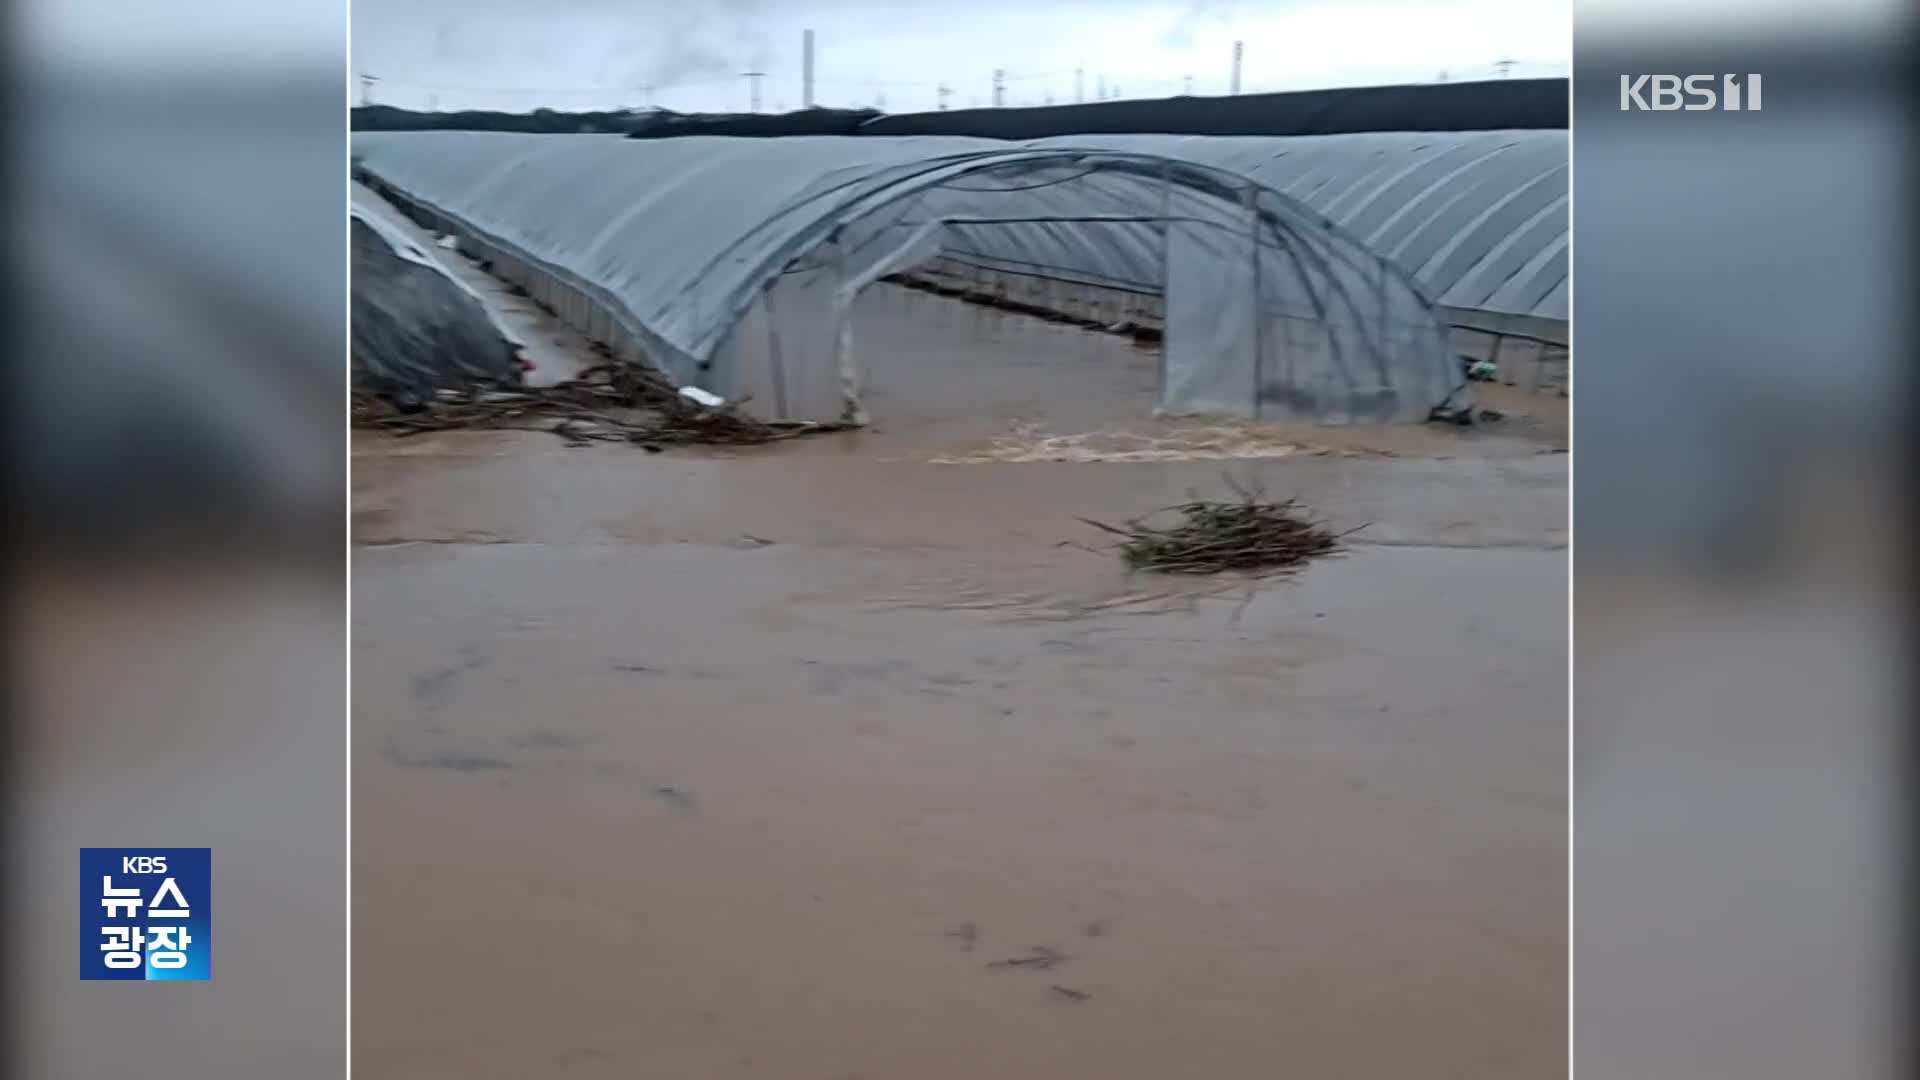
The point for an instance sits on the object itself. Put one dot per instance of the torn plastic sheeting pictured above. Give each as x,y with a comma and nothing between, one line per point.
404,246
414,331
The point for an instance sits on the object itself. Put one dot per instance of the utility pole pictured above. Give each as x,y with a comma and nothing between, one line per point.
942,94
753,89
1239,48
1187,88
999,87
646,95
1505,66
1079,85
366,87
1099,88
806,69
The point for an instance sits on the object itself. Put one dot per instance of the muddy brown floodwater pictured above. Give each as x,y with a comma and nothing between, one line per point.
826,761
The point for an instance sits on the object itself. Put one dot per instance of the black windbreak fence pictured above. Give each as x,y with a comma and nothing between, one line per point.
1491,105
1496,105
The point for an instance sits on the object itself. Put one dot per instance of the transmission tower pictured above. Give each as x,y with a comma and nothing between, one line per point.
806,69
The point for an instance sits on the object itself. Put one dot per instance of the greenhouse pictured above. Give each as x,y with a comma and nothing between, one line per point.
733,264
1477,218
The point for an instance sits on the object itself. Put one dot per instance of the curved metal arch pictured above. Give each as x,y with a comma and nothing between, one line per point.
1283,216
1351,177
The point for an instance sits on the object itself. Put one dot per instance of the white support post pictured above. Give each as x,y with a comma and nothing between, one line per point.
776,363
852,411
1251,199
1165,228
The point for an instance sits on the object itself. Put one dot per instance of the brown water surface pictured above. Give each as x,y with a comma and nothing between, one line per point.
825,761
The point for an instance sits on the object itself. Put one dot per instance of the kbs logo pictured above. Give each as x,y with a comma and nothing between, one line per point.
146,913
1694,93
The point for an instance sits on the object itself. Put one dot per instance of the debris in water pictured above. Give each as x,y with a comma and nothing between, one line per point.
1254,535
680,800
1070,993
1040,958
608,403
966,934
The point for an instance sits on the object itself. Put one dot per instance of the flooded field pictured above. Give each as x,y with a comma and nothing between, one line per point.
830,760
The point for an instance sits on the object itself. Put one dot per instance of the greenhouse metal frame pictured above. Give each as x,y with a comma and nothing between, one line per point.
732,264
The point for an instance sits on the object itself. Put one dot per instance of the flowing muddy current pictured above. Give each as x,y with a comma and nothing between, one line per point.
825,761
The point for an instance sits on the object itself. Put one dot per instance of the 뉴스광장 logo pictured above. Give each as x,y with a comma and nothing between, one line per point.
146,913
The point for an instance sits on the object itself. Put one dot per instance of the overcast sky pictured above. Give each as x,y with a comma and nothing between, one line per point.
599,54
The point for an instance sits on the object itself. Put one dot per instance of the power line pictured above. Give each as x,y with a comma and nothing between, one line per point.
849,90
469,89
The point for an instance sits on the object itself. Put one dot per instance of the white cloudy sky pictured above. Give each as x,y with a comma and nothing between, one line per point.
522,54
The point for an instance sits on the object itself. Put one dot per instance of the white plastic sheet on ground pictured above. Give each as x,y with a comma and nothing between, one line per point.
718,255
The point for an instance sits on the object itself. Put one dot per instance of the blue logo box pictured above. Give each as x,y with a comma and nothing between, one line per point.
146,914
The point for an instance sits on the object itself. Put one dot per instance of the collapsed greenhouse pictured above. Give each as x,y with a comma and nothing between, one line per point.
415,324
732,264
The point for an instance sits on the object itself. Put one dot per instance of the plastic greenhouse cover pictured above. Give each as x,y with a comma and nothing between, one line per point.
403,246
1479,218
415,325
678,237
